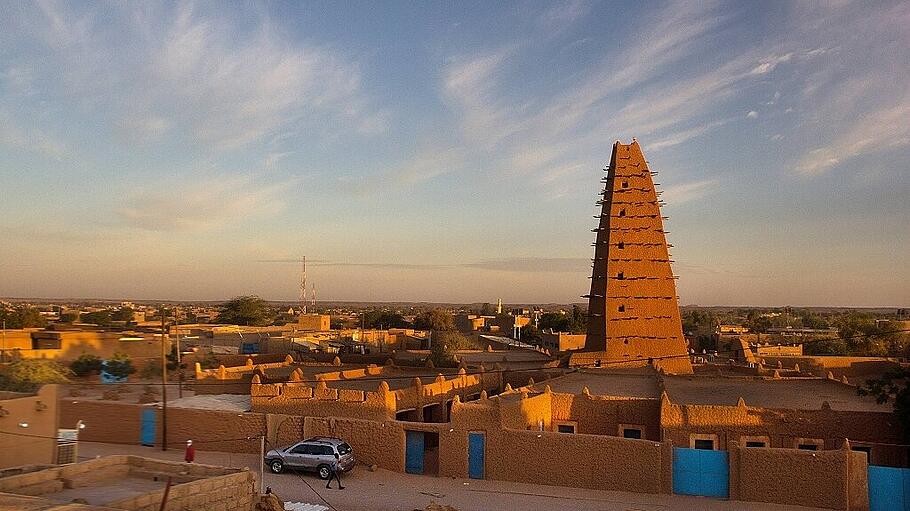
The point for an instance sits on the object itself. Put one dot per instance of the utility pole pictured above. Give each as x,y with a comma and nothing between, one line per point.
261,463
163,380
179,367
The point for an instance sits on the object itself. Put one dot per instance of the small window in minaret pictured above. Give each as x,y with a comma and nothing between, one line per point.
620,276
622,212
622,308
620,245
625,184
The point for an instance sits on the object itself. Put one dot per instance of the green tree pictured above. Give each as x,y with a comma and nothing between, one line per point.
124,314
246,310
100,318
757,323
579,320
892,387
26,375
444,346
436,319
119,365
69,317
530,334
383,319
554,321
22,317
86,364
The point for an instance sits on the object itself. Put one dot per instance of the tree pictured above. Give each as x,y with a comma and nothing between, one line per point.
119,366
86,364
124,314
487,310
530,334
892,387
22,317
69,317
383,319
554,321
444,346
436,319
26,375
579,323
100,318
246,310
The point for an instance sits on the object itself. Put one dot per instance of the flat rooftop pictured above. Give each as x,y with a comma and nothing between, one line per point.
794,394
396,378
108,491
633,382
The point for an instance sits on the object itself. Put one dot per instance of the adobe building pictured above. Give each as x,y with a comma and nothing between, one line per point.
562,341
130,483
28,427
314,322
633,310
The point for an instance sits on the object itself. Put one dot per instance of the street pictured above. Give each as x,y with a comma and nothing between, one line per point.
383,490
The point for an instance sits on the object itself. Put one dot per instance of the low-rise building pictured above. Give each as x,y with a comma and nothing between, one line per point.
314,322
28,427
130,483
562,341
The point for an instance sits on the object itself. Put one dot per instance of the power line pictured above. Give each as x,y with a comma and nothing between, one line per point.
518,370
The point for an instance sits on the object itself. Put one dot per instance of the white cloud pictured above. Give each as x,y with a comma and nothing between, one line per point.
562,15
201,203
686,192
885,128
752,114
770,63
213,79
682,136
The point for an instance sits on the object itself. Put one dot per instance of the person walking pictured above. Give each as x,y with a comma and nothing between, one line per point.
335,473
190,453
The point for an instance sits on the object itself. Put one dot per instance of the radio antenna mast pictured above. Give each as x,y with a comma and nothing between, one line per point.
303,285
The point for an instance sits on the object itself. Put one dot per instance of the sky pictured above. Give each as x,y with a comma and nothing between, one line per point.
450,151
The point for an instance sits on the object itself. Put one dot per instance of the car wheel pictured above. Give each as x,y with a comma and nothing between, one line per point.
277,466
324,472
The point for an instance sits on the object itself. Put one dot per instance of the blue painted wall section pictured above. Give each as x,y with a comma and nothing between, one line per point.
889,489
147,436
701,472
414,452
476,443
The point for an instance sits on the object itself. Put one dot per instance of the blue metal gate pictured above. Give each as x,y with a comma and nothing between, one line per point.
701,472
475,455
889,489
147,431
413,458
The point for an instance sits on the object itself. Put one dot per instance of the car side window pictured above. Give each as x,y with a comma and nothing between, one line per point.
325,450
302,449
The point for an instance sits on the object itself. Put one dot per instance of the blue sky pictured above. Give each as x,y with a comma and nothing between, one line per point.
450,151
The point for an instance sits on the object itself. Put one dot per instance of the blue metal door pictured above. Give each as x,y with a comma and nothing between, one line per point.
147,431
475,455
889,489
701,472
413,458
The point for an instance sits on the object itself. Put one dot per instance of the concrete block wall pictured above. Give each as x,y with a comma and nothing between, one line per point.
233,492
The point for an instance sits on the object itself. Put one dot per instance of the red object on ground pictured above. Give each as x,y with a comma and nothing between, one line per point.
190,453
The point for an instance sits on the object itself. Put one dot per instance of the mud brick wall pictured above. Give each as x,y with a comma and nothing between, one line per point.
105,421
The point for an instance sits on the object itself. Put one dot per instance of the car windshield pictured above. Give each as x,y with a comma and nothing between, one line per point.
344,449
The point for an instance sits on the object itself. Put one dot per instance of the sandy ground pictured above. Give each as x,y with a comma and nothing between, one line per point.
390,491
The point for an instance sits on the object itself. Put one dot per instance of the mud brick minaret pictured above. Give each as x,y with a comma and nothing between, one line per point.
633,310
